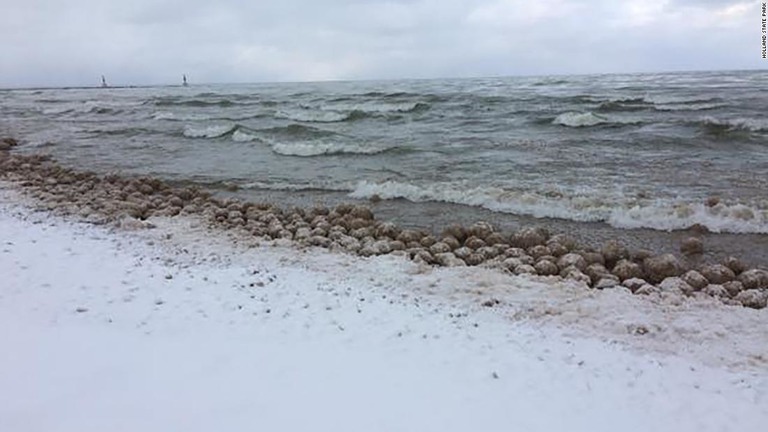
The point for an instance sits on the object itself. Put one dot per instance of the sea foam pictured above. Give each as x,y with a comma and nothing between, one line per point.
663,215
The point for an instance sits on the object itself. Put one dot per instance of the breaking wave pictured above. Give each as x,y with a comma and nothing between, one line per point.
334,112
304,141
173,116
737,218
647,103
209,131
167,115
704,106
321,116
242,136
375,107
307,149
619,105
587,119
295,187
619,213
576,119
719,126
680,100
88,107
292,132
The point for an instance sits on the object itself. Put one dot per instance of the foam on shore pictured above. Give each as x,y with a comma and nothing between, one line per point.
619,212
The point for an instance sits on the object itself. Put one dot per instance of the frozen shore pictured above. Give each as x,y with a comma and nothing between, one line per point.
129,201
184,327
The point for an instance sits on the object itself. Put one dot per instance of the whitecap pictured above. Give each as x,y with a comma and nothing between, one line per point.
240,136
377,107
318,148
164,115
86,107
618,211
578,119
744,124
295,187
492,198
736,218
314,115
688,107
167,115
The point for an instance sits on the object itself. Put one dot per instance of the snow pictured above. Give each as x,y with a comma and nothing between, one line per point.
182,328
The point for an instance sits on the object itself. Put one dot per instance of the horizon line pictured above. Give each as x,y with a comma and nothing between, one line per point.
126,86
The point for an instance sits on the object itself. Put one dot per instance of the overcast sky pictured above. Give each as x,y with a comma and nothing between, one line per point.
74,42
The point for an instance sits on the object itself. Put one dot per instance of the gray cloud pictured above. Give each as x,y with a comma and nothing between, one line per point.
48,42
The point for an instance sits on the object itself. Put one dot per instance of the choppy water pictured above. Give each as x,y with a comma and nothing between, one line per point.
630,151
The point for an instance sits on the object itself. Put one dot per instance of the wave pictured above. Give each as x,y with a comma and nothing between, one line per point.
587,119
321,116
335,112
645,103
59,110
736,218
618,212
88,107
305,141
384,95
167,115
199,103
550,81
242,136
704,106
375,107
577,119
724,126
308,149
188,117
298,131
130,131
209,131
295,187
573,99
628,104
680,100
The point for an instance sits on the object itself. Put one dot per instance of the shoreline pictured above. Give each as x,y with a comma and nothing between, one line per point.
659,325
129,201
111,324
140,325
432,217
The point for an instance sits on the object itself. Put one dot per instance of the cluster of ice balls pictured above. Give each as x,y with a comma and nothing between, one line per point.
130,202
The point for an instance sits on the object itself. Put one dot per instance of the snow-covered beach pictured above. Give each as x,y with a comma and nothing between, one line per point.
184,327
